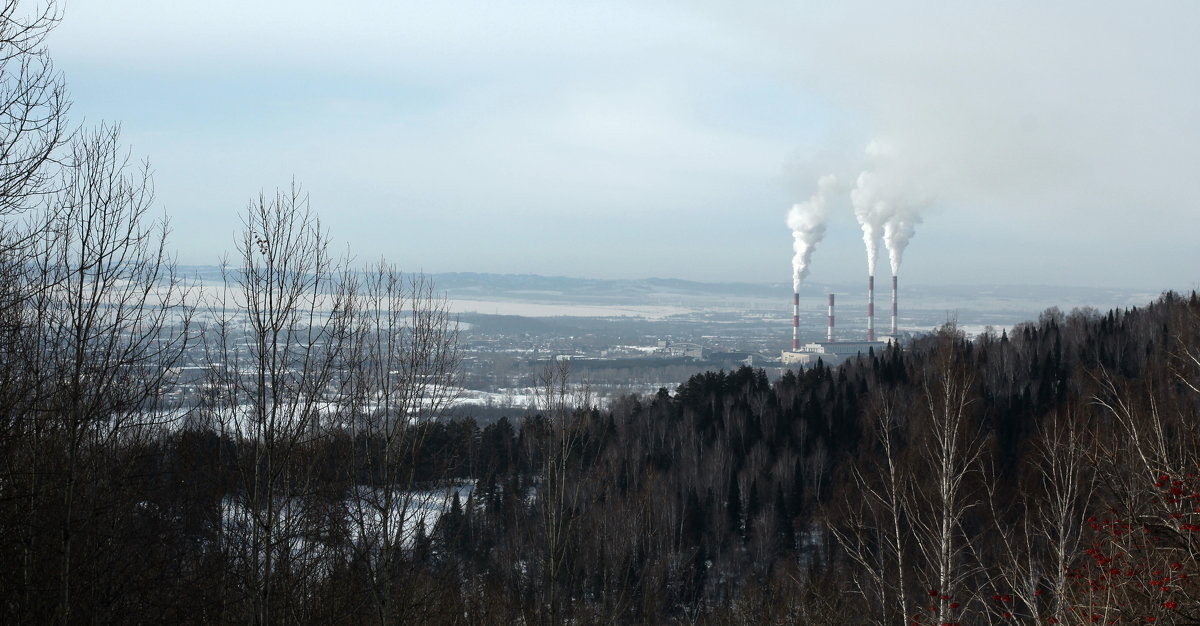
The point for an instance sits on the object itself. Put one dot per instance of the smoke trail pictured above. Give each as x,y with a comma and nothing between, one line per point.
807,221
871,209
887,205
897,231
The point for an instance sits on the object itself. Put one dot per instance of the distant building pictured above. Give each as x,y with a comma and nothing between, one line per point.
831,352
742,358
687,350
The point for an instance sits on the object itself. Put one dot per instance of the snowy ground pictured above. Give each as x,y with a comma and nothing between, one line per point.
364,511
541,309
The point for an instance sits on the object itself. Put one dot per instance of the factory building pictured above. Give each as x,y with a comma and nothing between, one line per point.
832,352
684,350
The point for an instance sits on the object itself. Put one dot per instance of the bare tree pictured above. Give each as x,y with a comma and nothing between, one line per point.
33,128
105,321
401,366
949,446
275,349
903,521
33,105
563,405
875,533
1148,529
1044,539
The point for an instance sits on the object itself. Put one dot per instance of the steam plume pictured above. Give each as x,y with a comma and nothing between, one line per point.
807,221
897,231
871,209
886,205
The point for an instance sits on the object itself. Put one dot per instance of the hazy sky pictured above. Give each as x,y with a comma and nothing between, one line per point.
1054,143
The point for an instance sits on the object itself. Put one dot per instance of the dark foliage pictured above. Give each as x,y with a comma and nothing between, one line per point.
721,502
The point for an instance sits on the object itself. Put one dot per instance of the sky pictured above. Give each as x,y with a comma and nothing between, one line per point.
1041,143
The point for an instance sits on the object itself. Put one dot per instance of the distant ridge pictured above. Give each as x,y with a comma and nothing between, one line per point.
541,288
508,284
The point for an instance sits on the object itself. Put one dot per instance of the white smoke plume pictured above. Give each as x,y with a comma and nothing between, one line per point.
807,221
871,209
887,205
897,231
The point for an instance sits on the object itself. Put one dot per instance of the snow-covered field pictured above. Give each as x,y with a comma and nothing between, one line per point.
363,514
541,309
527,397
408,511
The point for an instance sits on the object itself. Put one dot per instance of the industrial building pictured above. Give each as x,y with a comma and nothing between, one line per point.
832,352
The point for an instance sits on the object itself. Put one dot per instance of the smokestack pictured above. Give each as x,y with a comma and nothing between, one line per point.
795,322
829,332
871,307
893,305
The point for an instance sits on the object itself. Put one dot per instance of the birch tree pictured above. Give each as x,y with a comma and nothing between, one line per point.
875,533
948,442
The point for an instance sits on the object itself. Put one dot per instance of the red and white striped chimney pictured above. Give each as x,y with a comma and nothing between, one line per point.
893,305
829,331
871,308
795,322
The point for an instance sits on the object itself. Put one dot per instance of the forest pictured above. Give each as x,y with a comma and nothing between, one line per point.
1044,475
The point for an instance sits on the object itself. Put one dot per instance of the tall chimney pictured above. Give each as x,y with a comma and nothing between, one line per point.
795,322
829,332
871,308
893,305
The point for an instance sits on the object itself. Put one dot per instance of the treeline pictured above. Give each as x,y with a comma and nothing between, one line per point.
1042,476
1047,476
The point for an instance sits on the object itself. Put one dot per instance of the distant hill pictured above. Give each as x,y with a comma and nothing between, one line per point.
463,285
949,297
